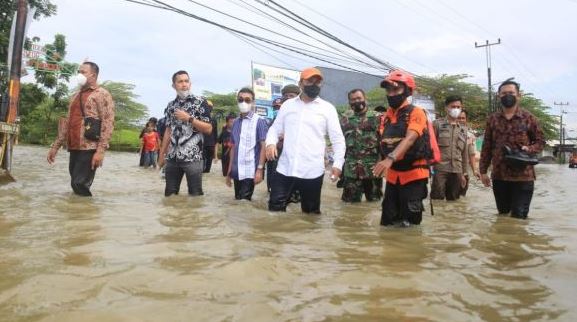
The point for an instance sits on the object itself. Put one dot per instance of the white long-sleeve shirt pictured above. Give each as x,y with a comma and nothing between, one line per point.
304,127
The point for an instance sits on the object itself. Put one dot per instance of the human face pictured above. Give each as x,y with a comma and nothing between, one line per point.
395,89
462,118
287,96
509,89
229,123
86,70
315,80
456,105
244,97
181,83
356,97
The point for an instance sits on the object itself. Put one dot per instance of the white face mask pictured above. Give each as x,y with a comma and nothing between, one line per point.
454,112
80,80
183,94
244,107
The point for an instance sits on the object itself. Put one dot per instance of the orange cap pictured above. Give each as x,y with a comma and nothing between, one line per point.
310,72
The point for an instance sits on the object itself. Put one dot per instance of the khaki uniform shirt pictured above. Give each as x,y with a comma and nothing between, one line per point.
452,140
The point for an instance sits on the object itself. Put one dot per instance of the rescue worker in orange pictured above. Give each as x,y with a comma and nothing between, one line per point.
404,143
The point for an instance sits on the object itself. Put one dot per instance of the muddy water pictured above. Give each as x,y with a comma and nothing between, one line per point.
129,254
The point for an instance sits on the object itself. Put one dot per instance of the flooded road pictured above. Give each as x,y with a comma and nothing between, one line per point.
129,254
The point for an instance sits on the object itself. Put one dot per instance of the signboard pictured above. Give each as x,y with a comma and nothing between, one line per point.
37,58
427,103
267,83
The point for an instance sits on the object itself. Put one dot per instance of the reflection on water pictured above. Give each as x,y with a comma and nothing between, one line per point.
129,254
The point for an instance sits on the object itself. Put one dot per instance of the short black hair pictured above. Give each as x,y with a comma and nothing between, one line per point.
95,69
180,72
509,82
230,116
453,98
352,91
246,90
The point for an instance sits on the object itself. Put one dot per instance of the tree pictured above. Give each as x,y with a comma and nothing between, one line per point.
223,104
129,113
44,8
549,123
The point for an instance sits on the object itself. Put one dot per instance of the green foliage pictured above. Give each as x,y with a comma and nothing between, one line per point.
44,8
549,123
223,104
474,97
40,125
31,95
129,113
125,140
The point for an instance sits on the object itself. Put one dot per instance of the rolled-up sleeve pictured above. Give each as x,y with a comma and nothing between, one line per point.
487,149
337,138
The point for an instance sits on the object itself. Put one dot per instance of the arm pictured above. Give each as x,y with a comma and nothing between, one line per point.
62,135
338,142
486,154
536,136
105,108
273,135
416,127
164,146
230,162
259,174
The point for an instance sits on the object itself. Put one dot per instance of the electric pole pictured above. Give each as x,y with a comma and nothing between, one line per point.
487,46
9,129
561,130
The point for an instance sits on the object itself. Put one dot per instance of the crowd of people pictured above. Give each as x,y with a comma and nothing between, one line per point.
399,144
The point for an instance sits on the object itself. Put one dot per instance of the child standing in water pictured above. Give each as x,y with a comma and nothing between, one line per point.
150,146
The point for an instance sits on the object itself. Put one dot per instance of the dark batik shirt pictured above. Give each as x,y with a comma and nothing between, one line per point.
186,141
521,130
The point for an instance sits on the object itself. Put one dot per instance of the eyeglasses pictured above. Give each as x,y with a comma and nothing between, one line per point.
246,100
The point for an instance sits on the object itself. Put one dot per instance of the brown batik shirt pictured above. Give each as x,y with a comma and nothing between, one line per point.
521,130
97,103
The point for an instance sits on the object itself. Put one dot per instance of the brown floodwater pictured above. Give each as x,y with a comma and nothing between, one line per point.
130,254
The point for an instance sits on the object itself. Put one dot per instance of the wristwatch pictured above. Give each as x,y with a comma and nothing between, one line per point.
392,156
260,166
191,119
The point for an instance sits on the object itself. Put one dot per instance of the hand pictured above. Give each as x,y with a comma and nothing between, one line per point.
335,174
271,152
463,181
51,156
381,168
181,115
477,175
258,176
525,148
228,181
486,180
97,159
161,160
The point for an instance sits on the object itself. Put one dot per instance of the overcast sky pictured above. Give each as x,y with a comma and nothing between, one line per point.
144,46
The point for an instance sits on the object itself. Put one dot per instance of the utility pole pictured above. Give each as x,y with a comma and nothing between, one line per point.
561,130
487,46
8,128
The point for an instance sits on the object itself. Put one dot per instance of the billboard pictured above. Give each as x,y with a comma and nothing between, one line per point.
267,83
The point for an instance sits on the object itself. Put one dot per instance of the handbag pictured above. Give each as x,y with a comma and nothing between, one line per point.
92,125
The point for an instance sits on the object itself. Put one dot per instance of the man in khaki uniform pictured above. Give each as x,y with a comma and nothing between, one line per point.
449,175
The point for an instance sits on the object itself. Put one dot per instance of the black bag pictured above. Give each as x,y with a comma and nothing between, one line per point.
518,159
91,125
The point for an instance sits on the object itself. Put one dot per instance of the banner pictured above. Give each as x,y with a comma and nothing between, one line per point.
267,83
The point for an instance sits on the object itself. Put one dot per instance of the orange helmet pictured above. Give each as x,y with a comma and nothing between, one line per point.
400,76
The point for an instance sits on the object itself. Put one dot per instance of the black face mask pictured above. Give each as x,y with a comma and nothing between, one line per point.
508,100
312,91
396,101
358,106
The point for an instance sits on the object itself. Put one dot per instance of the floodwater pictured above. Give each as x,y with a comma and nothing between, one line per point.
129,254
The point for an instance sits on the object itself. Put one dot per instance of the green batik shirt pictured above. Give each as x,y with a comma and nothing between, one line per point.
360,131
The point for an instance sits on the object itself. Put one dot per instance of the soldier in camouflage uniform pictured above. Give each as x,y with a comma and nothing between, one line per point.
360,131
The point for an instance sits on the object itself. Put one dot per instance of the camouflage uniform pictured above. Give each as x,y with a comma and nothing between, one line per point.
360,131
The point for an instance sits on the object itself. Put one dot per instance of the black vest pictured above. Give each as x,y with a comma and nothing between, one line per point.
394,133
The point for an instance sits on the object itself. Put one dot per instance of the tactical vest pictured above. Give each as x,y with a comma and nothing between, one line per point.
393,133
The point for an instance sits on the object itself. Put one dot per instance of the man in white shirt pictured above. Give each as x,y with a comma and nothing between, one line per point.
304,122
